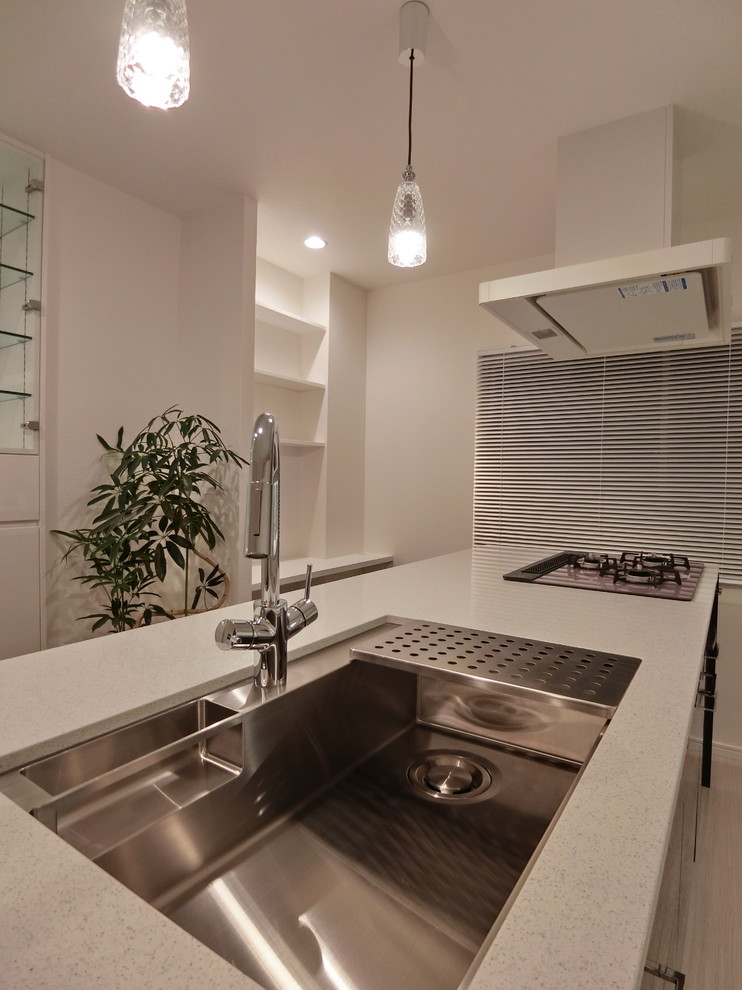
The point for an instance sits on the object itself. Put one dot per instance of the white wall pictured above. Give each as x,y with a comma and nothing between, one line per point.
709,203
346,418
116,352
215,349
112,289
423,339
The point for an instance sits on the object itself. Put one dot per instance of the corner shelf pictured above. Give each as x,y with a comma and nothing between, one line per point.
11,219
286,321
287,382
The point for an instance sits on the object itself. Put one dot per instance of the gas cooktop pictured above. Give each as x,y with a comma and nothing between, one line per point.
657,575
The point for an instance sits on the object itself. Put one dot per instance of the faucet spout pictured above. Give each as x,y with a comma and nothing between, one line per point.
274,622
262,518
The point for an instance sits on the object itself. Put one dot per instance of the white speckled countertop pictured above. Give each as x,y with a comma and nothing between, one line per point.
582,916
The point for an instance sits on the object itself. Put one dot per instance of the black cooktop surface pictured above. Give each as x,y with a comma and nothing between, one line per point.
623,573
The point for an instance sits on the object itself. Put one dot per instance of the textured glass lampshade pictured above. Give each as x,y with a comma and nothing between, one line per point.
407,245
153,64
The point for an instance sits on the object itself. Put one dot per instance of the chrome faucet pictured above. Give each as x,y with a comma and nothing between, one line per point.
274,622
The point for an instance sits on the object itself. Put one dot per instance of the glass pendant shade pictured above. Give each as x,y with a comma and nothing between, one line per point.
153,64
407,245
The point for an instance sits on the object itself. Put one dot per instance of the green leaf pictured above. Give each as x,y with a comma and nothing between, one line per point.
160,563
176,554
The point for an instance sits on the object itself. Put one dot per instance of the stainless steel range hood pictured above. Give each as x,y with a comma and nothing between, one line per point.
615,190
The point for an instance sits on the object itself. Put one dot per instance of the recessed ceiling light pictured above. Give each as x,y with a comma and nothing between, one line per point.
315,243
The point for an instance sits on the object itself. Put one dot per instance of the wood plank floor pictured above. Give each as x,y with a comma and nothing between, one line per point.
712,956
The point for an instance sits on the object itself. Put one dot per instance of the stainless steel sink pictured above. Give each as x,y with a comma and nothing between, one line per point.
99,792
362,830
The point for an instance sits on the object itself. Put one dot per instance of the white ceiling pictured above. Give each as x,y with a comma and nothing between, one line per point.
301,104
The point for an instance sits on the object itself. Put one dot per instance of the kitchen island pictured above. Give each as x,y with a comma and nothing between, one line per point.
583,913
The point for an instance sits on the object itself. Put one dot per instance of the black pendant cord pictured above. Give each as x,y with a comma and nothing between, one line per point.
409,115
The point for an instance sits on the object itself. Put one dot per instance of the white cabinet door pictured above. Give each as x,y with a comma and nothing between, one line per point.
20,626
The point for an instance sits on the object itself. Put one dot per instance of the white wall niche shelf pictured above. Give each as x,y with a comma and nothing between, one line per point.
286,381
299,362
287,321
290,375
300,446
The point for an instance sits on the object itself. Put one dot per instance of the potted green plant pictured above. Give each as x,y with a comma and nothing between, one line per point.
151,518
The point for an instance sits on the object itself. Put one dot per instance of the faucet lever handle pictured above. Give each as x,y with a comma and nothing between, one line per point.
301,613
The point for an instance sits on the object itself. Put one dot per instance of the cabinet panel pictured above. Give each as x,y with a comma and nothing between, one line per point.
21,184
19,488
20,630
667,940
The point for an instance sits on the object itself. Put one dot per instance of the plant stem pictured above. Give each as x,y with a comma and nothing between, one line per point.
185,582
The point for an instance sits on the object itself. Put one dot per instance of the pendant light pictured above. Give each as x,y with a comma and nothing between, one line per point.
407,244
153,64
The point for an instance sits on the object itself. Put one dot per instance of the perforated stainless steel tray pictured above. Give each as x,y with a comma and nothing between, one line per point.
583,679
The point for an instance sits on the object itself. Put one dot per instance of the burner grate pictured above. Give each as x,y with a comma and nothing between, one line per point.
578,678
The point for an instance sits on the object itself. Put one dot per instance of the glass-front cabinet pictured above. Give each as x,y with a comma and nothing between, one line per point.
21,194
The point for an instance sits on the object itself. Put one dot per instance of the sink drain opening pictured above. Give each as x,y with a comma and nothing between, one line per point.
441,775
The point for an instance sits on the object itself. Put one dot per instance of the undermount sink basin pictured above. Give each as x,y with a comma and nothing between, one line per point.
364,830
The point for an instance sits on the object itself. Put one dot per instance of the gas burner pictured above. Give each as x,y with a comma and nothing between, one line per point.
636,573
590,561
660,561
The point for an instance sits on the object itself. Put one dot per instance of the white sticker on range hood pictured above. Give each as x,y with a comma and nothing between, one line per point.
611,319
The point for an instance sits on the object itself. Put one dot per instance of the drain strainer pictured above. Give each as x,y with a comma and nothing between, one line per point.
441,775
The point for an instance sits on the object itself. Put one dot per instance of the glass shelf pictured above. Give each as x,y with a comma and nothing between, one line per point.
6,396
10,275
10,339
11,219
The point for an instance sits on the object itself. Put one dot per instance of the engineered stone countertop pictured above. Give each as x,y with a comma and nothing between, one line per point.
583,914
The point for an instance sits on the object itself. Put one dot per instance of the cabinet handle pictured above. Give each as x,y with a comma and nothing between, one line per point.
706,700
665,973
